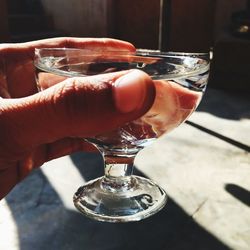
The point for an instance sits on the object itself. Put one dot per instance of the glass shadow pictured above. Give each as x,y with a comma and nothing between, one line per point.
47,224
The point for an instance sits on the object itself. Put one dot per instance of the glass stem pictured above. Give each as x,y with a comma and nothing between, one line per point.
118,173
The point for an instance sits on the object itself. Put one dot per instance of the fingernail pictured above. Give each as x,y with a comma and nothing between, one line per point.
129,91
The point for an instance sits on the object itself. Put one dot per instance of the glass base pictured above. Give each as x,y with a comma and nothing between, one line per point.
142,199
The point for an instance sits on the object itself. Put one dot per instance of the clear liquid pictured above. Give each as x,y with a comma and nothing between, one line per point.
173,105
178,92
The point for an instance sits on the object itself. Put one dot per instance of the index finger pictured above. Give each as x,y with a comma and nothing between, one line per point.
97,44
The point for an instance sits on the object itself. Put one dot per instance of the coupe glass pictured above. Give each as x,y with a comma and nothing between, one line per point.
180,80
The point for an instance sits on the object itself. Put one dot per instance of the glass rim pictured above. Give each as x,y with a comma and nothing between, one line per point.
125,52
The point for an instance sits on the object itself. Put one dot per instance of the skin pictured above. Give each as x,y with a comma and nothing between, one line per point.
38,127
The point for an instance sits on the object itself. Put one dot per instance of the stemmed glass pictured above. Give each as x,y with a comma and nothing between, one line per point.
180,80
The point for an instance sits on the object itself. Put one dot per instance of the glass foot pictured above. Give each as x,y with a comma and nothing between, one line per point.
141,200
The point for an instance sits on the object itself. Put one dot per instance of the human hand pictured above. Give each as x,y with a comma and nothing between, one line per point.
37,127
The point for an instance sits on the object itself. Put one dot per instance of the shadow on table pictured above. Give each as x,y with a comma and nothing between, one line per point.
239,193
54,227
228,104
231,141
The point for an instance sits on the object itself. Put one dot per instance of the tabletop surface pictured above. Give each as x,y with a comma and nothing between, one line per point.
204,166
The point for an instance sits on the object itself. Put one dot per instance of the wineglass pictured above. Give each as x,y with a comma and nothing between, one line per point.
180,80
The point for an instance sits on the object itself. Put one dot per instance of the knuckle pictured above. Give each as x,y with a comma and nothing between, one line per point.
69,97
83,97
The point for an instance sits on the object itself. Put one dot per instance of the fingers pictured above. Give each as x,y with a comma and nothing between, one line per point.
13,174
18,60
51,151
65,146
77,107
98,44
8,179
101,44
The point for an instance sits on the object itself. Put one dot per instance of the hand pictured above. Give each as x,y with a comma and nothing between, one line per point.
37,127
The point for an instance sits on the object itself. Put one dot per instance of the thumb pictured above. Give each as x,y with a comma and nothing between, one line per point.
78,107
